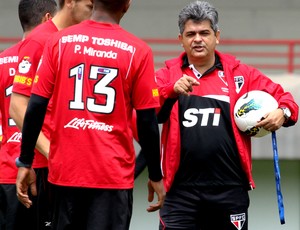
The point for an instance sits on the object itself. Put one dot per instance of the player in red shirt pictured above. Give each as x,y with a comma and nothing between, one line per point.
70,12
96,73
14,215
30,52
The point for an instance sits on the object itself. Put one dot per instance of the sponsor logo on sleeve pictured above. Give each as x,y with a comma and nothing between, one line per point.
25,65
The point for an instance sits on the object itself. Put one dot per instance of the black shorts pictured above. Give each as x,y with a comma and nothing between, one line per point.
89,209
214,208
42,203
14,215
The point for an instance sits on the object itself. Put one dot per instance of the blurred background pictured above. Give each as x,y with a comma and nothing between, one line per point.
262,33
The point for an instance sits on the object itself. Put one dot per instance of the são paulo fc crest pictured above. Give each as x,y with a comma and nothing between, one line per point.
239,83
238,220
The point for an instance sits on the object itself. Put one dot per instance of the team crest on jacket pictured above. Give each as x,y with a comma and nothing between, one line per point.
239,83
238,220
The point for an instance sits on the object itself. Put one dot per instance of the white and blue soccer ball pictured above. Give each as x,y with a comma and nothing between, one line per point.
251,108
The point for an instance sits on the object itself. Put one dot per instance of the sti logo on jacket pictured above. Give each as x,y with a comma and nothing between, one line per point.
208,115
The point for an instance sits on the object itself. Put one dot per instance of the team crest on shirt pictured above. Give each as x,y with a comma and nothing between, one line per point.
238,220
25,65
239,83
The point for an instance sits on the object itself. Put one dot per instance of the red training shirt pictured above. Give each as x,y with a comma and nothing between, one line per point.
96,74
30,53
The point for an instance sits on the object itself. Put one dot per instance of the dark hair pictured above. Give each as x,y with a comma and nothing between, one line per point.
111,5
31,12
198,11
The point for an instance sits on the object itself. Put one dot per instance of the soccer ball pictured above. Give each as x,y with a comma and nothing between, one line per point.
251,108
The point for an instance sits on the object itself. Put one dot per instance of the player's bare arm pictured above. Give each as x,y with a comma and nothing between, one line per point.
26,178
17,109
185,85
43,145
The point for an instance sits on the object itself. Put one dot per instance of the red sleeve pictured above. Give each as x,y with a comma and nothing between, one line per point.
45,76
29,57
145,93
259,81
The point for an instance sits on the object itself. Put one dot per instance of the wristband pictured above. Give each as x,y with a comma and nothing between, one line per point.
21,164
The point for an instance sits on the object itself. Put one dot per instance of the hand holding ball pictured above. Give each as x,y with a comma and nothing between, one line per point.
251,108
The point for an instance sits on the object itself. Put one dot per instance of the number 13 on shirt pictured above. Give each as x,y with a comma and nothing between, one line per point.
100,88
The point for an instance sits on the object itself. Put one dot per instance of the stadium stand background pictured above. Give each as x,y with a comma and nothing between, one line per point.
239,19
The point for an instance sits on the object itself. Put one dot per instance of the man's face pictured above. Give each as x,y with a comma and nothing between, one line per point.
81,10
199,40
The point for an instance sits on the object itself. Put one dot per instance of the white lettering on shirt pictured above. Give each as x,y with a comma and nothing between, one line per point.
81,123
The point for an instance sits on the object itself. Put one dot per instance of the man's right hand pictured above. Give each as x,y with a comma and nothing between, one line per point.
185,85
